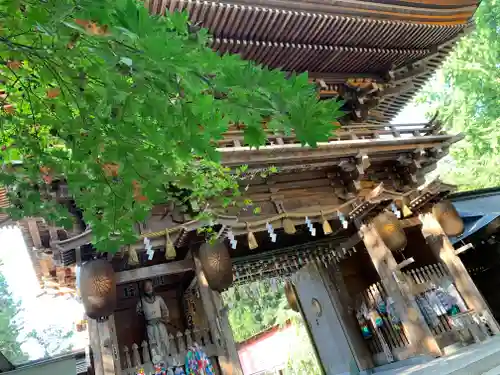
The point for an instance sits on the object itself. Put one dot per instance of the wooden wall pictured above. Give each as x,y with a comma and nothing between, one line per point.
358,272
416,248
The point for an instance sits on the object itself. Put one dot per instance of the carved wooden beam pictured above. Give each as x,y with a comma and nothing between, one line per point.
273,154
172,268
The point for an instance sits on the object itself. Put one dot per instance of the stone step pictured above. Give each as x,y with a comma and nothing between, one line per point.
493,371
401,365
476,359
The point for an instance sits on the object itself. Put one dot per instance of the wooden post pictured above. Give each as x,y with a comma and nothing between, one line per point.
419,335
95,345
109,351
219,325
443,249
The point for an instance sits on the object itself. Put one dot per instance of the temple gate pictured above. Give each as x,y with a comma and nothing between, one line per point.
363,284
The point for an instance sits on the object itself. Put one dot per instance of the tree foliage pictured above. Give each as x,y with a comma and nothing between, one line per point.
53,340
126,108
10,327
466,92
258,306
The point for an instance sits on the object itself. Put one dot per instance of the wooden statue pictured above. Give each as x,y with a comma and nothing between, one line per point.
155,312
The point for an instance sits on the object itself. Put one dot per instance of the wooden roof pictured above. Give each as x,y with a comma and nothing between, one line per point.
397,44
54,277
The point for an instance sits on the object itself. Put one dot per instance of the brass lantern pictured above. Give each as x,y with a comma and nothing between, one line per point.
291,297
217,265
98,288
389,229
449,219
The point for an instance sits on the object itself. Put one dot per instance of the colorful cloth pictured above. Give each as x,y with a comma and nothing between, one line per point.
445,298
197,362
375,318
391,312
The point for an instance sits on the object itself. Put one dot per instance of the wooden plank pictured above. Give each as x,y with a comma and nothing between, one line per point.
34,233
95,346
443,249
267,155
143,273
105,341
341,301
419,335
115,348
353,132
219,325
304,184
231,363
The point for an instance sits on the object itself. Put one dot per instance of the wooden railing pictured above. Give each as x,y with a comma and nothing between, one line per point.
423,279
235,137
139,356
390,337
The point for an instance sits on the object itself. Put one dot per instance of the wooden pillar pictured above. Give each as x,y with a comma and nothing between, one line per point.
443,249
95,346
109,347
219,325
419,335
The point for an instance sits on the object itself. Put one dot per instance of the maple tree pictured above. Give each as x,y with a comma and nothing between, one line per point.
126,109
465,93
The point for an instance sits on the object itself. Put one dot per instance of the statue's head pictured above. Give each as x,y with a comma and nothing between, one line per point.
148,287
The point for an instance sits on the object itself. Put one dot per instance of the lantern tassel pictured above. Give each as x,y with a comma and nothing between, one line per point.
288,226
170,252
252,241
133,259
327,228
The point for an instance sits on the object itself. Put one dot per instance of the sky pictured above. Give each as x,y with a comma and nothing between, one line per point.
40,312
412,114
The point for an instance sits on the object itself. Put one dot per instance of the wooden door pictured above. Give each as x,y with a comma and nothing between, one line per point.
323,321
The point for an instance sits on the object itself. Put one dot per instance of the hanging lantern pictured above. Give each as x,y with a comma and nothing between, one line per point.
291,297
217,265
389,229
98,288
449,219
